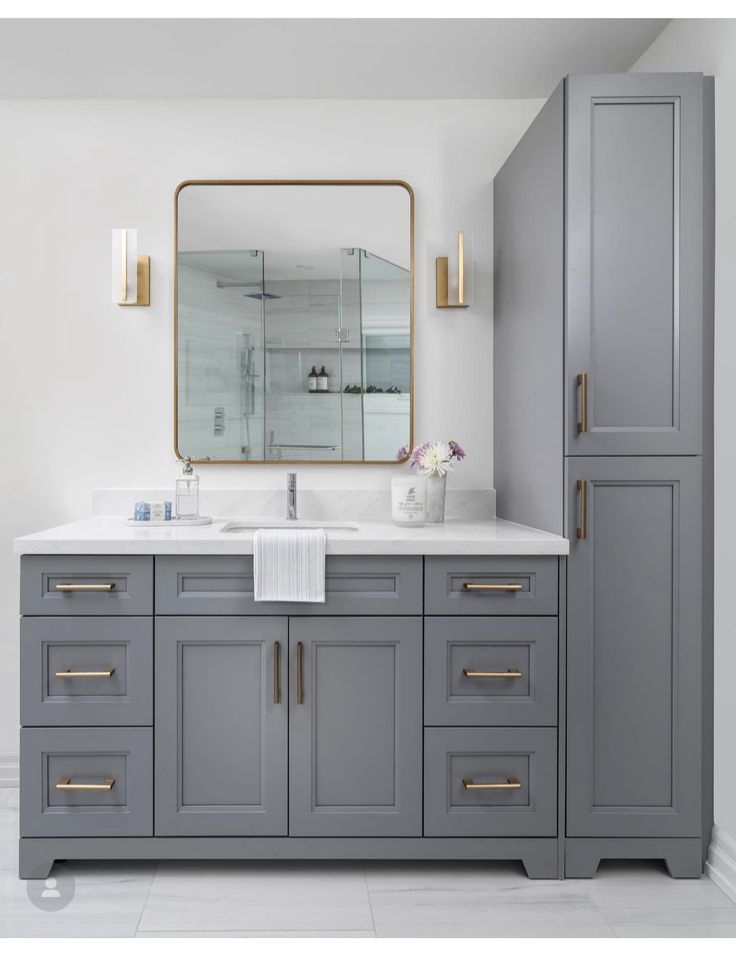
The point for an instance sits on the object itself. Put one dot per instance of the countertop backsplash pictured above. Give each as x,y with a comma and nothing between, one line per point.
311,503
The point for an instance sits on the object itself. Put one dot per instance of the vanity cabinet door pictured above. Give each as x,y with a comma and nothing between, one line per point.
634,648
221,726
634,277
355,734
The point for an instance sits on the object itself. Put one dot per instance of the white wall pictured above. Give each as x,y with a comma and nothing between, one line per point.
86,387
709,46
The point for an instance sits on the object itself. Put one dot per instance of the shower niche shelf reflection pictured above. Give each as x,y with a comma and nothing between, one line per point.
252,321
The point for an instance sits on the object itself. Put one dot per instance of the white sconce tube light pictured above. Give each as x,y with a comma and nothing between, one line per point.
131,284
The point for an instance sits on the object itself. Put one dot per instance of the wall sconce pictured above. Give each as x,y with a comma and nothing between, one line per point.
131,273
442,272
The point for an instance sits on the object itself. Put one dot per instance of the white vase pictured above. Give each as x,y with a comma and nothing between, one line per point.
436,489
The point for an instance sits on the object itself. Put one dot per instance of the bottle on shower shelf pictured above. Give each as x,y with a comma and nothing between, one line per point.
323,381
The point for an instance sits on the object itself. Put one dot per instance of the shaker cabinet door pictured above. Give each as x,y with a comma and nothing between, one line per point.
634,310
634,647
355,735
221,726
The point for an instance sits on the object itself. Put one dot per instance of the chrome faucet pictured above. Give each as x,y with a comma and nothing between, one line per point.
291,496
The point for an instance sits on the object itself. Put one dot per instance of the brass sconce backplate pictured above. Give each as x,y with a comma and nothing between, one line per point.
143,274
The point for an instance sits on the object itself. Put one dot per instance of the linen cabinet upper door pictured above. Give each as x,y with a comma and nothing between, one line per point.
634,274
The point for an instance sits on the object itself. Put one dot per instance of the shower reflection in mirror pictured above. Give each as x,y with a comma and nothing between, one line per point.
292,354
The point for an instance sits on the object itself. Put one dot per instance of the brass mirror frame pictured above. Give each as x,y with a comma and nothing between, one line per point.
293,182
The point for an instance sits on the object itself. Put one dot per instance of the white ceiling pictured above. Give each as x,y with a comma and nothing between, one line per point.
379,58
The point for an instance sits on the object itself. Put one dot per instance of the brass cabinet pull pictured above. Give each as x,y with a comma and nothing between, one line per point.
510,784
66,785
107,673
277,672
478,586
582,382
299,672
509,673
81,586
582,529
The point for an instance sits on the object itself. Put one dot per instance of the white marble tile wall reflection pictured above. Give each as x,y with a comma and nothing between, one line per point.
262,415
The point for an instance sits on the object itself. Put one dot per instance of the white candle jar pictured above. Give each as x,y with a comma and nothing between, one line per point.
409,500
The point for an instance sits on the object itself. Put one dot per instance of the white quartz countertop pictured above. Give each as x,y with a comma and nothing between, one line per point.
105,535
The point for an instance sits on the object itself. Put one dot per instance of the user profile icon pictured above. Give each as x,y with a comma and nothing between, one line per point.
52,893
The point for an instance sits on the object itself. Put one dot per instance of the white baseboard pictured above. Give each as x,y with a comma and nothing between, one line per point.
9,771
721,864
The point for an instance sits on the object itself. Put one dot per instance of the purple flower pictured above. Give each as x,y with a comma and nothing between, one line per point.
416,455
402,454
458,452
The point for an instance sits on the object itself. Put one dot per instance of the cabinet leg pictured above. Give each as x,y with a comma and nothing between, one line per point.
34,863
685,861
580,860
541,863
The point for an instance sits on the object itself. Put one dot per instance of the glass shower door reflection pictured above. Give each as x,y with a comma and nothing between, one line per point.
385,352
301,319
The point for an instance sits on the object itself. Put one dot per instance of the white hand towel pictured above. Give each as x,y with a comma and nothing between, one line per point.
289,564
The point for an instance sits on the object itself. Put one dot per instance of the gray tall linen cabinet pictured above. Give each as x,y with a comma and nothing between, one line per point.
603,351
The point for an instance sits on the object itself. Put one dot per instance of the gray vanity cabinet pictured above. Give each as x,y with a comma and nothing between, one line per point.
355,732
292,733
221,726
634,648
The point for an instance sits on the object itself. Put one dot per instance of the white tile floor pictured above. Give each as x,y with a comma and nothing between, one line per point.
356,900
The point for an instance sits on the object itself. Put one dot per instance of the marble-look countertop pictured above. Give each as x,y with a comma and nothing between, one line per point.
106,535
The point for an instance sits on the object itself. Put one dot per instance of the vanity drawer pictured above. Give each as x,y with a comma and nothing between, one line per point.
223,585
490,671
480,585
86,585
519,763
86,782
86,671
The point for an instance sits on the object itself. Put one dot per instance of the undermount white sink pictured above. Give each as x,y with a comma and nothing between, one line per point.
250,526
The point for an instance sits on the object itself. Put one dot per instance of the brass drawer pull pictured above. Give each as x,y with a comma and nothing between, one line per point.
509,673
582,529
507,586
82,586
510,784
107,673
277,672
300,672
66,785
582,383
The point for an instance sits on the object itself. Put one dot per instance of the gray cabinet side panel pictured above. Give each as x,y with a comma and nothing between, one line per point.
708,531
528,271
634,650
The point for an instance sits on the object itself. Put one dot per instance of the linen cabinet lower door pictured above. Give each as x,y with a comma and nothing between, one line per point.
221,726
355,733
634,647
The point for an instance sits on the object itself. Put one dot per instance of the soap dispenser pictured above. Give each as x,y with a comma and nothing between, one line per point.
187,493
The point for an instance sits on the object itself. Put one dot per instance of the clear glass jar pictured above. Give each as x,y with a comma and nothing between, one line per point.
187,493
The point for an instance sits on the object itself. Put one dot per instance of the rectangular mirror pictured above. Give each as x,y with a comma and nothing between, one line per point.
293,320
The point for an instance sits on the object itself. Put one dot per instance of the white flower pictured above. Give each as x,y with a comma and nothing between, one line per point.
435,459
